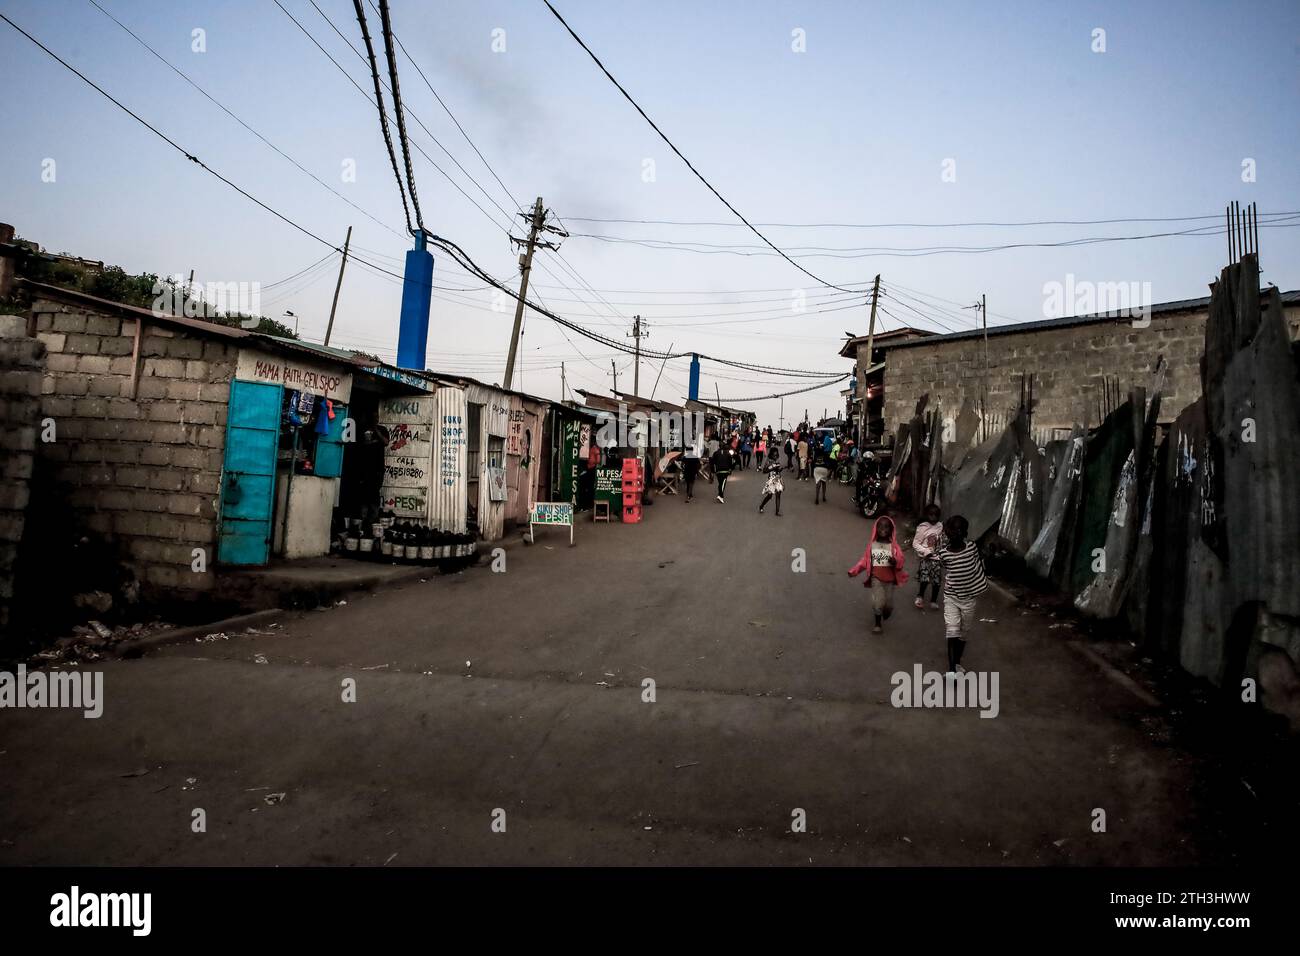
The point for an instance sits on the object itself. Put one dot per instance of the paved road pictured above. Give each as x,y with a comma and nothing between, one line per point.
523,691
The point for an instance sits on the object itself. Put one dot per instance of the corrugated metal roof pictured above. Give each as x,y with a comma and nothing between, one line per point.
245,336
1162,308
455,378
850,347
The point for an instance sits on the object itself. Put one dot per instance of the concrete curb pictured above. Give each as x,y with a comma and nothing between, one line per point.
1115,674
179,635
1003,592
1084,650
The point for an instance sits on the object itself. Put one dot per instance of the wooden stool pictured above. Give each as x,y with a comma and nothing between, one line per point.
600,511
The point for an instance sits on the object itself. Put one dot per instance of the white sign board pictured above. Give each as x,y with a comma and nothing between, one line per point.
551,512
322,378
408,454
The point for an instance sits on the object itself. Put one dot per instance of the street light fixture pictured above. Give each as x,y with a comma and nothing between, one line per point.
295,322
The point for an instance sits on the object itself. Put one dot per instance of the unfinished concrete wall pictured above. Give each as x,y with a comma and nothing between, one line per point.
142,471
1068,365
22,364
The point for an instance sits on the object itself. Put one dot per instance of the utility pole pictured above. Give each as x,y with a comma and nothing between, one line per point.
615,368
863,430
984,320
338,285
525,265
637,332
661,370
564,385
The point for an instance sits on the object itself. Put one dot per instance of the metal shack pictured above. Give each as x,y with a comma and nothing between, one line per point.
486,447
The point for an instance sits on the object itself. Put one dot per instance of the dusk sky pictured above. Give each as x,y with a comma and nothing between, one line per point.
856,129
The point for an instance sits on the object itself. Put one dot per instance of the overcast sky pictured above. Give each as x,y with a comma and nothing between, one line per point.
854,129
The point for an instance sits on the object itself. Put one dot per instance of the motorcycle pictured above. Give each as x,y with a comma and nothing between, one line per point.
869,495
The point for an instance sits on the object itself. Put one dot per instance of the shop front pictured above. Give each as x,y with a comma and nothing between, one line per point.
285,430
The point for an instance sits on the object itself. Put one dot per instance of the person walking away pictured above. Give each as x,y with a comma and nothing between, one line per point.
773,486
691,467
821,474
883,560
721,462
802,448
963,582
759,451
926,543
746,449
790,451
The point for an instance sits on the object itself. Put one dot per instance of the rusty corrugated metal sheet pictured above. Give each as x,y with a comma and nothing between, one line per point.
447,507
522,445
1253,422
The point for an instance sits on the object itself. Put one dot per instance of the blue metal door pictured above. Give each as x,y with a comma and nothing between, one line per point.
329,446
248,478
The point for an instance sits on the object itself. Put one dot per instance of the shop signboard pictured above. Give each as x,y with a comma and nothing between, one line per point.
322,378
515,430
609,487
551,513
570,441
407,424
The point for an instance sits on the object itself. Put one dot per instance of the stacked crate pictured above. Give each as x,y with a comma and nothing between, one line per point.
633,485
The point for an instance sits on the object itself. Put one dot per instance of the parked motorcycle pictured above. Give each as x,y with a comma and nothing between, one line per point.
869,495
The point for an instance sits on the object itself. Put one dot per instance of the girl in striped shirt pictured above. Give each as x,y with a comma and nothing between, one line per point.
963,583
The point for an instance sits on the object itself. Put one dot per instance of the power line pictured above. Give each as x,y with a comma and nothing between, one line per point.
446,245
183,75
911,252
379,102
447,109
910,225
463,258
627,96
391,56
319,262
797,391
457,162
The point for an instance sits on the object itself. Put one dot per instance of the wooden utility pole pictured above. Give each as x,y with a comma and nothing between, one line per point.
636,366
984,321
329,328
525,265
615,368
863,430
564,385
661,370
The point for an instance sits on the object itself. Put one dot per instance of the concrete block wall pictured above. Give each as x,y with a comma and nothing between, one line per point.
143,472
22,366
1068,365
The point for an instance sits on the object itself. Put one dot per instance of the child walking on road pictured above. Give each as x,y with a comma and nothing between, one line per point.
773,486
963,583
883,559
926,544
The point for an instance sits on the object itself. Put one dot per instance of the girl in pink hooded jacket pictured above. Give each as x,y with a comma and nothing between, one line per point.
883,559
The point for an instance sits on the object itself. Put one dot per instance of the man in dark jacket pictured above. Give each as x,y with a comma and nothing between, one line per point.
722,468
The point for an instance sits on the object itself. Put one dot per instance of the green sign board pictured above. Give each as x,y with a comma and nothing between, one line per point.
570,446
